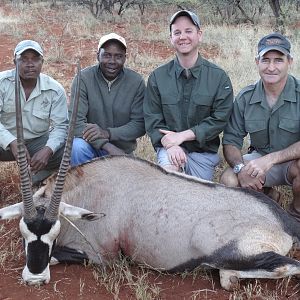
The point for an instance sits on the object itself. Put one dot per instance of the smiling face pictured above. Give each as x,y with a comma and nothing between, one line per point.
30,65
111,58
273,67
185,36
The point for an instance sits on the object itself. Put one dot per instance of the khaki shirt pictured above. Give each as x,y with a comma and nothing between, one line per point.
270,129
46,106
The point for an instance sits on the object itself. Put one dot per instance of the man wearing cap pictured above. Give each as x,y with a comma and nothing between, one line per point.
187,104
44,104
110,112
269,111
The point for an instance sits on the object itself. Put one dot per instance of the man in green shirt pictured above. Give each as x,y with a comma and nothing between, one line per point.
187,104
110,111
44,113
269,111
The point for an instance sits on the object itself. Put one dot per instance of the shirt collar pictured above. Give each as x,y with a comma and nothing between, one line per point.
288,93
110,81
194,70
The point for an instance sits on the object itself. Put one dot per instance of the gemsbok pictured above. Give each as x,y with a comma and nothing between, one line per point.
168,221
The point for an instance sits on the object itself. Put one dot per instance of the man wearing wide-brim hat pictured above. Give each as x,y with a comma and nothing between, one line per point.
269,111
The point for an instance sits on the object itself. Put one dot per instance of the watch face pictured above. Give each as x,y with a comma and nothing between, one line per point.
238,168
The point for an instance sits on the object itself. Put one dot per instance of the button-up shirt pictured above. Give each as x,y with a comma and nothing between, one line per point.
270,129
44,110
202,102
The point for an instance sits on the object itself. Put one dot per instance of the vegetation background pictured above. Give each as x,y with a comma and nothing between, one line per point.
69,30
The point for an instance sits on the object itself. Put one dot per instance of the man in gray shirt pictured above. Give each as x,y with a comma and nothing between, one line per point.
110,111
44,113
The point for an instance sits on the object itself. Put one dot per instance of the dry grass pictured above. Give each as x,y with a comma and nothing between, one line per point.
236,49
120,274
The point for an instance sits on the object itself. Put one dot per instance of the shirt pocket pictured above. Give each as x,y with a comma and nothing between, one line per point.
171,110
289,132
40,118
258,131
9,104
200,108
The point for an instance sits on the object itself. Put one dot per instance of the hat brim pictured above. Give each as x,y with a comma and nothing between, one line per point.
273,48
110,40
29,48
185,13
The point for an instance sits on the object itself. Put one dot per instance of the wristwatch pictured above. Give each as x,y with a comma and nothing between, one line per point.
237,168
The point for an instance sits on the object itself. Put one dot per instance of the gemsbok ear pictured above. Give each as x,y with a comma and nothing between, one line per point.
12,211
74,212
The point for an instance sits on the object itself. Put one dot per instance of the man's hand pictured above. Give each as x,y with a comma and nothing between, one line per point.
40,159
258,167
93,132
247,181
14,149
112,149
176,156
171,138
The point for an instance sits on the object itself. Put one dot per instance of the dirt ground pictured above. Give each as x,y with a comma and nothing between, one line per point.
84,282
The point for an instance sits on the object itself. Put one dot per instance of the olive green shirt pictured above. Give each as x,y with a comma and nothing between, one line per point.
202,102
46,108
270,129
116,106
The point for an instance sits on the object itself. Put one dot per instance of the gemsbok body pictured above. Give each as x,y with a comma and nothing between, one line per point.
167,221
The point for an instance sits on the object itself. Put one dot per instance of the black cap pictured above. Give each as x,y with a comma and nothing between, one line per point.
274,41
194,18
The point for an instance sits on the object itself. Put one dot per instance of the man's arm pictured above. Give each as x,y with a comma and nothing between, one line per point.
58,121
210,127
81,120
260,166
6,137
172,138
153,115
232,155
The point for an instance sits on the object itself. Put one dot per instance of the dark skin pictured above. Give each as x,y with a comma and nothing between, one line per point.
30,66
111,58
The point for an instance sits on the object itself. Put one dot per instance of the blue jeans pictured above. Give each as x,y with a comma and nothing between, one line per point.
83,152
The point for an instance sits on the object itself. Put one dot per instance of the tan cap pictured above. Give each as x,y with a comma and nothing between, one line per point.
109,37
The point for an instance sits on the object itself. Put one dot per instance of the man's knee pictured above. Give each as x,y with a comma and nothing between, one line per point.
79,145
294,173
228,178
